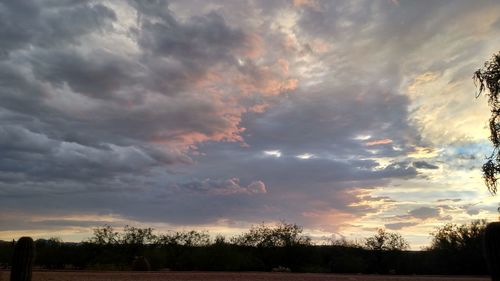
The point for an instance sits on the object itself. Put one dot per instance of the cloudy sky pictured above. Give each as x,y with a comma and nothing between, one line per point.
340,116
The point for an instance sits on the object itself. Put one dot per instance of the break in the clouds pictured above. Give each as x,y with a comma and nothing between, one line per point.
342,116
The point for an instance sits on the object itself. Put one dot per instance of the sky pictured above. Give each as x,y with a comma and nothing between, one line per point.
340,116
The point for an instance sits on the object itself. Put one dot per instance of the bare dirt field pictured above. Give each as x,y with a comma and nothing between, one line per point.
223,276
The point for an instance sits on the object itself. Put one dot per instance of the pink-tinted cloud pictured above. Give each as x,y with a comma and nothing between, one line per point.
379,142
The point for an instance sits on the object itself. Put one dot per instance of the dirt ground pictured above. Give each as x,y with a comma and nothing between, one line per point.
223,276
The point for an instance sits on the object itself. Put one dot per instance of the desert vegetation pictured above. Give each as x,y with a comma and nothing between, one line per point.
455,249
488,79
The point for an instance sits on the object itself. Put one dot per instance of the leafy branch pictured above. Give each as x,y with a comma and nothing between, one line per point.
488,79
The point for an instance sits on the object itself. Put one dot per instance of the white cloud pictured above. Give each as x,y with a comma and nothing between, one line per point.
275,153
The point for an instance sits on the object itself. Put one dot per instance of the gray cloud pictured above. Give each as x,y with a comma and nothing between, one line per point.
425,213
205,38
51,159
159,112
399,225
449,200
27,23
424,165
91,141
135,109
85,119
46,225
225,187
322,122
98,74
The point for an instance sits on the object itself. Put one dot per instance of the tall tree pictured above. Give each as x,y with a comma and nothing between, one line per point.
489,83
488,79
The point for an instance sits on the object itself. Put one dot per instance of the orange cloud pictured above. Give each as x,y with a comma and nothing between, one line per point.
379,142
328,220
225,89
253,47
259,108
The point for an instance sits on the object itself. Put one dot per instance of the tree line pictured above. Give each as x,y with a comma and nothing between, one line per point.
455,249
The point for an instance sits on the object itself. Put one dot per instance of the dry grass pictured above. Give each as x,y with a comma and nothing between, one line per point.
222,276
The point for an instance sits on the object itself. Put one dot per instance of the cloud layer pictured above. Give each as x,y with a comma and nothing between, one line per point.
340,116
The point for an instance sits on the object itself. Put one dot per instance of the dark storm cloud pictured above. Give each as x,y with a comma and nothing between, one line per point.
26,23
35,157
19,93
46,136
189,48
17,139
206,38
98,74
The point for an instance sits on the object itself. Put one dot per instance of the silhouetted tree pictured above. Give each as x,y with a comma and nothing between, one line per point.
135,239
104,235
455,237
137,236
386,241
220,240
488,79
184,238
458,248
489,82
281,235
454,250
280,245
